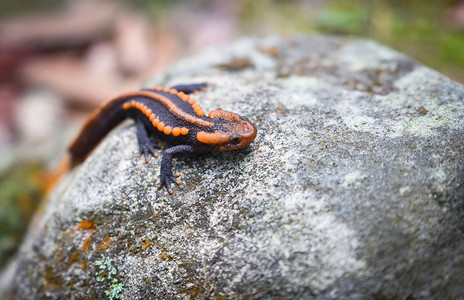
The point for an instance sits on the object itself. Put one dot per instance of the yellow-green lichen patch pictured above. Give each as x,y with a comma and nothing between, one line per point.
420,89
404,190
439,174
444,115
361,123
106,275
352,177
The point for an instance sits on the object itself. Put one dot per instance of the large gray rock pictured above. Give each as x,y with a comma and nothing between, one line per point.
354,188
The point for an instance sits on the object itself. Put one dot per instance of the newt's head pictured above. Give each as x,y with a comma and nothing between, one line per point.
235,131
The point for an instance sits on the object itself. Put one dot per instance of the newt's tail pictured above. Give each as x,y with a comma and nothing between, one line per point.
97,126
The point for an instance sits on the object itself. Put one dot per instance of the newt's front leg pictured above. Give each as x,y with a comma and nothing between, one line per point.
146,146
166,176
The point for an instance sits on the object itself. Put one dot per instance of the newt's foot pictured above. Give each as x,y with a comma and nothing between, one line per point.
148,148
167,179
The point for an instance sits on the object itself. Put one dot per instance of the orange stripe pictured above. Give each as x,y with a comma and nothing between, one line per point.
140,106
171,107
147,112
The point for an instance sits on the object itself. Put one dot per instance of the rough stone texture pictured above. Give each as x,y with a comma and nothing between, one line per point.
352,189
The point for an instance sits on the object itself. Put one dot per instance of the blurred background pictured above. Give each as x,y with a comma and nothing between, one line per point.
61,59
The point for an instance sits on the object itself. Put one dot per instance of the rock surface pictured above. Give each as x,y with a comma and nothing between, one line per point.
354,188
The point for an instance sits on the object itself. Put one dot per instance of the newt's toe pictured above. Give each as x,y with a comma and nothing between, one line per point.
167,180
147,149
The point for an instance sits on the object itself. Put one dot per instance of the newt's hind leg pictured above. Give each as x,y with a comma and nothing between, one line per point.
191,88
146,145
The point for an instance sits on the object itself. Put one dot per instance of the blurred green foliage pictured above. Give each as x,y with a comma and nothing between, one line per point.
20,192
420,28
345,21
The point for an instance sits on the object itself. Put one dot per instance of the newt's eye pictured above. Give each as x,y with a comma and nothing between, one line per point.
234,139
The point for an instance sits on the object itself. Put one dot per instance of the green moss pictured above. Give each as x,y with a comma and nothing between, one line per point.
20,193
106,275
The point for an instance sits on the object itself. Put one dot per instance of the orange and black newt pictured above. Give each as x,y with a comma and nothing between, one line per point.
168,114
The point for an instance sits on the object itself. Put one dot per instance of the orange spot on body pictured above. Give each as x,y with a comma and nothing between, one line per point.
158,88
191,101
198,109
225,115
155,122
152,117
173,91
166,90
160,126
176,131
184,131
167,130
